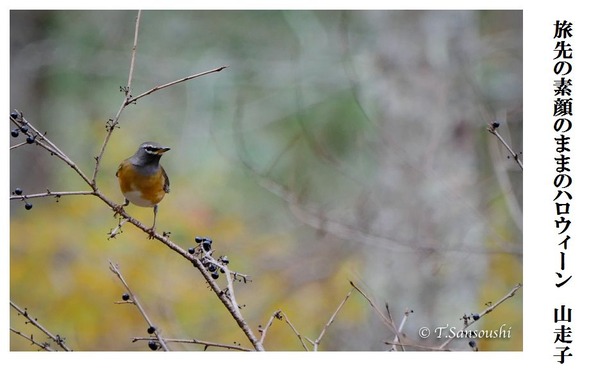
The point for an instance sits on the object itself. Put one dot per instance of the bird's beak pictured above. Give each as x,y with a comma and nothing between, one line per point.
162,150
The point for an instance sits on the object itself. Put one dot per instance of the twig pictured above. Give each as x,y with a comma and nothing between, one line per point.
318,340
18,145
264,330
196,341
114,122
280,315
387,320
56,194
159,87
468,323
404,345
44,346
493,128
134,50
397,340
40,139
115,269
33,321
287,321
113,233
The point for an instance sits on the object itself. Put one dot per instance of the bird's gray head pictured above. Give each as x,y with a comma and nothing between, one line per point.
149,153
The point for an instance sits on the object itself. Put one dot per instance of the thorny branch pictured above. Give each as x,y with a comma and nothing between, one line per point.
206,344
33,321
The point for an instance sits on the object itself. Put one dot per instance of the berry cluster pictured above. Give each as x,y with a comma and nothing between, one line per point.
23,127
19,192
204,248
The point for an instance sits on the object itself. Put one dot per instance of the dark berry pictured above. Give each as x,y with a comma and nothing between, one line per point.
14,132
224,260
14,114
212,268
18,191
199,240
495,125
153,345
28,206
472,344
206,245
215,275
191,250
30,140
151,330
25,129
475,317
125,297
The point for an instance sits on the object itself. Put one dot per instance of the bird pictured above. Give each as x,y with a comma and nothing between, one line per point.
143,181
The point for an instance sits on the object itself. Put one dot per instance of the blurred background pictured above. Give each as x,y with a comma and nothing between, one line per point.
337,146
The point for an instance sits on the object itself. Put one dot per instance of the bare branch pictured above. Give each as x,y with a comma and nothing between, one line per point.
287,321
387,321
115,269
196,341
133,51
44,346
318,340
397,341
112,123
55,194
468,323
264,330
33,321
40,139
159,87
493,129
281,315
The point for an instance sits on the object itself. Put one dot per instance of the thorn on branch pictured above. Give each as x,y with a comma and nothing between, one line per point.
111,124
125,89
492,128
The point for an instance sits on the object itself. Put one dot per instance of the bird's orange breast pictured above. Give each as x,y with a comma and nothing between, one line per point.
141,190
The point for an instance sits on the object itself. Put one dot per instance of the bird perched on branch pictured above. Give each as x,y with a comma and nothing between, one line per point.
142,179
